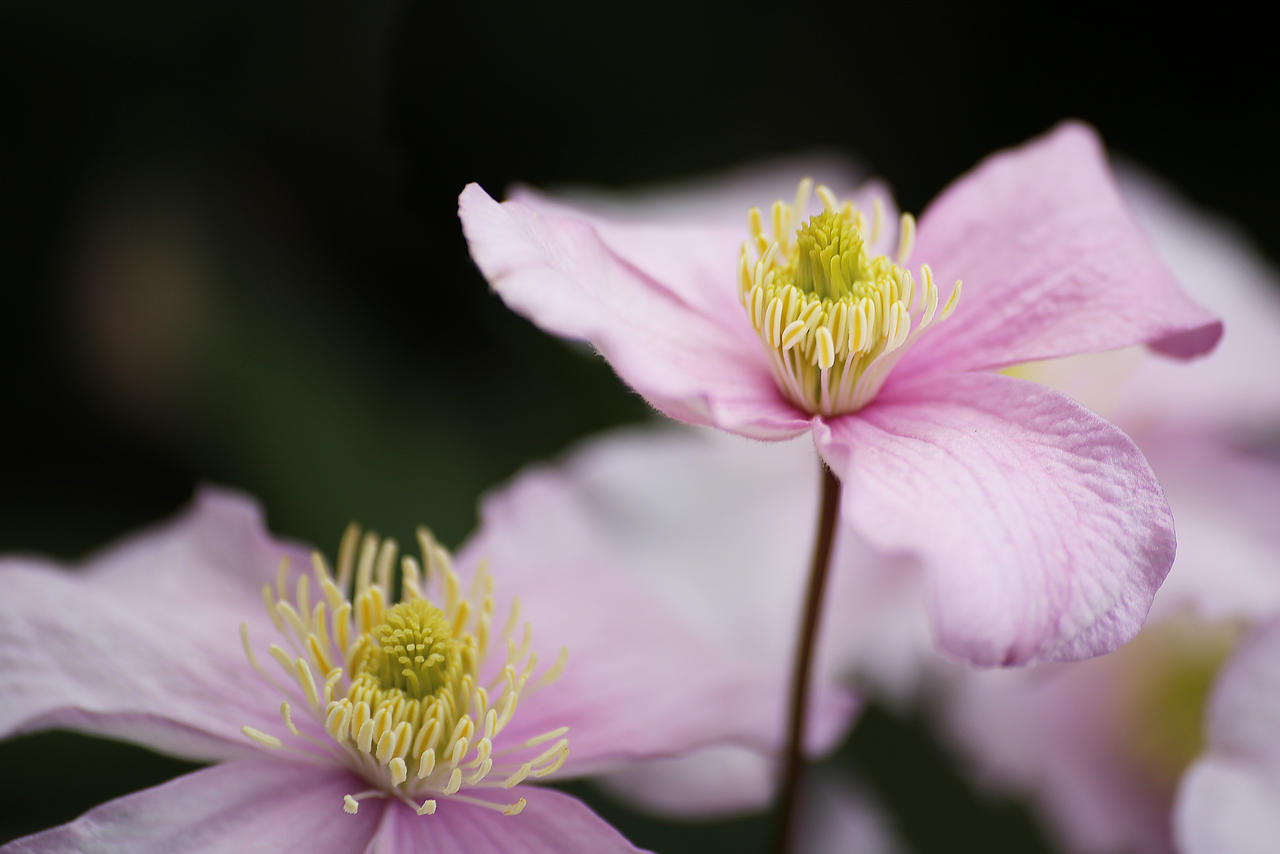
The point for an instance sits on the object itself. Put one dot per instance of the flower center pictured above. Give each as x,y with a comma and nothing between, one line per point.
833,316
411,698
416,652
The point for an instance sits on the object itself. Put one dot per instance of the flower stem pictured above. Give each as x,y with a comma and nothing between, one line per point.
819,568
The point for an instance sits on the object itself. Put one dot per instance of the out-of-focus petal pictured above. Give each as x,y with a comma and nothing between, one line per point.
232,808
551,823
723,780
143,644
1216,266
720,199
837,818
585,546
1226,503
696,367
1228,806
1043,532
1054,735
1053,264
688,236
1229,802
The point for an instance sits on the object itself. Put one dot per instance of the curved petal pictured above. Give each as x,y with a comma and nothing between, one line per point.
640,552
143,644
236,807
551,823
1053,264
693,366
1228,800
1043,532
1218,267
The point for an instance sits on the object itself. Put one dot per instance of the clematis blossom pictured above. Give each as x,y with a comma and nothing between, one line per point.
322,740
1103,747
1041,529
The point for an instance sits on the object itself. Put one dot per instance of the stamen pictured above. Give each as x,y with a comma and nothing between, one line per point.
401,690
833,318
261,737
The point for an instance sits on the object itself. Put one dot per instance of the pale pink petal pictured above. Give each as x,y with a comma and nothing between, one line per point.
143,643
1053,264
659,664
838,818
718,199
1230,798
723,780
1054,735
1229,392
551,823
232,808
1043,532
694,366
1228,806
1226,503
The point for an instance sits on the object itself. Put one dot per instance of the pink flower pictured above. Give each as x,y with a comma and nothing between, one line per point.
1042,530
324,741
1102,745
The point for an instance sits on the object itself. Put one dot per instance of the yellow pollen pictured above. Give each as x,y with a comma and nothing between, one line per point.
833,316
413,696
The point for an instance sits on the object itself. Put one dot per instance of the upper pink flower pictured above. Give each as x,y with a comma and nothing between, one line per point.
145,643
1040,525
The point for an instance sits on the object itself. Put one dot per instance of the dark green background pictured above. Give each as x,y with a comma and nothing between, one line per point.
231,255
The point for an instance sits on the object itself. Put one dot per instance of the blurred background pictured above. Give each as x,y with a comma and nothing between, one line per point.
231,255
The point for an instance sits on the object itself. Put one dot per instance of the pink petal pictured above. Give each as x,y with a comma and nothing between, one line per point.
143,644
1230,799
1055,735
677,619
697,367
1226,504
1228,806
1218,267
1043,532
723,780
551,823
837,818
1053,264
232,808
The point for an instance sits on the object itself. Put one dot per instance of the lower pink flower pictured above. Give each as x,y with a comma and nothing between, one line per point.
345,722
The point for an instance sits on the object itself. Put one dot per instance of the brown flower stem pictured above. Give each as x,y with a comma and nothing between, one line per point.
819,569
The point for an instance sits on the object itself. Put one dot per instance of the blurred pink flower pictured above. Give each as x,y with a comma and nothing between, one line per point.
1229,800
716,528
141,644
1102,745
1042,531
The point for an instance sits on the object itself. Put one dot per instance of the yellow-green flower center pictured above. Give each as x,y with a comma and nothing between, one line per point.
408,695
833,316
416,652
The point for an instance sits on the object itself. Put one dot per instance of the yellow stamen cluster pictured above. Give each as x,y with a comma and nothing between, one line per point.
833,317
406,694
